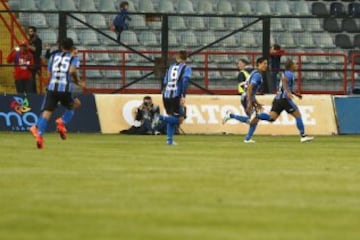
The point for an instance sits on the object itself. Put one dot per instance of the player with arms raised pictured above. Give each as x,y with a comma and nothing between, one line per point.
63,73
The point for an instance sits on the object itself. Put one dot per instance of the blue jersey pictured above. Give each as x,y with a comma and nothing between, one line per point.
255,79
59,68
176,80
290,82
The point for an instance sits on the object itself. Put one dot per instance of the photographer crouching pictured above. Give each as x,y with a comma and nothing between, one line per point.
146,116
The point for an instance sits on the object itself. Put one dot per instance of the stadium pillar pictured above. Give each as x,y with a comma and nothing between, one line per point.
164,44
266,53
62,25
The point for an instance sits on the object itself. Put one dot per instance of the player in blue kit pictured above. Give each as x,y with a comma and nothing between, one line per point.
63,73
176,81
283,101
249,101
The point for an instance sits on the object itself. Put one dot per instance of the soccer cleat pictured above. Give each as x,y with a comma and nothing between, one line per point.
60,127
39,142
306,138
226,117
173,143
249,141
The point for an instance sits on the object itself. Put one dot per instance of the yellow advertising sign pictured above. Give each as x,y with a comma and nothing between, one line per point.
205,113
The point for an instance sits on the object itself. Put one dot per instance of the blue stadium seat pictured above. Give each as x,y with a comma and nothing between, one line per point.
354,9
337,9
319,9
350,25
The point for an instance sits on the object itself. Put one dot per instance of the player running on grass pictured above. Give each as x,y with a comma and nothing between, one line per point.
249,101
283,101
176,81
62,71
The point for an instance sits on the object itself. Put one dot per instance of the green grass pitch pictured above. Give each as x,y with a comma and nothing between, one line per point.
101,187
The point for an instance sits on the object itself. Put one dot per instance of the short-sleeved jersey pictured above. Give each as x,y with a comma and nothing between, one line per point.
255,79
59,68
176,80
290,82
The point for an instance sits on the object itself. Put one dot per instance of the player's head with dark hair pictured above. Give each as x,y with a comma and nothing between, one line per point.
124,4
261,64
276,46
32,28
289,64
181,56
244,61
147,98
67,44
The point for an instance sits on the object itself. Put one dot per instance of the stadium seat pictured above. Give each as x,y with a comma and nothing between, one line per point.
74,23
243,8
350,25
166,6
262,8
286,40
319,9
232,23
293,25
100,56
321,59
330,73
132,74
38,20
112,73
343,41
89,37
188,39
280,8
337,9
224,7
138,22
67,5
129,37
177,23
52,20
97,21
47,5
222,58
27,5
304,40
323,40
247,39
87,5
354,9
172,40
72,34
357,41
184,6
300,8
276,25
216,24
214,74
206,37
107,41
228,42
107,6
148,38
230,74
312,24
196,23
204,6
332,25
48,36
145,6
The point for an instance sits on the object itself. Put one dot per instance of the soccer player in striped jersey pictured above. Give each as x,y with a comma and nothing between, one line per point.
283,101
63,73
176,82
249,101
